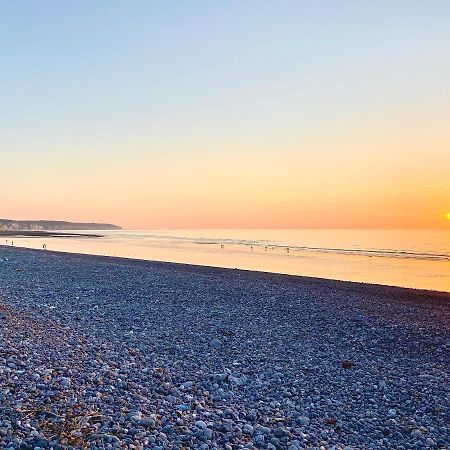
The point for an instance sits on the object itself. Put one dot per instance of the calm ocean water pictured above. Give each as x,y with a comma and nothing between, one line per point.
410,258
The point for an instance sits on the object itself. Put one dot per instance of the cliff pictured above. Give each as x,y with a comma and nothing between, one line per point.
35,225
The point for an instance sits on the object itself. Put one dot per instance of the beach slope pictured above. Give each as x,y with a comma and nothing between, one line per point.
99,352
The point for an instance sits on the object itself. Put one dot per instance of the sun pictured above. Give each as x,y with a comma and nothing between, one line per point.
447,216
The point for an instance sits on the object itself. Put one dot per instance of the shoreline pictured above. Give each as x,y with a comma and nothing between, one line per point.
384,289
106,352
43,233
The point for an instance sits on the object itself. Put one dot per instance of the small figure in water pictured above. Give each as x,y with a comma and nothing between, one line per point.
251,247
44,246
222,246
287,249
265,248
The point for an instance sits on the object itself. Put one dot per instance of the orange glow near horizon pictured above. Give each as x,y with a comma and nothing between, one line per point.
333,179
306,185
292,193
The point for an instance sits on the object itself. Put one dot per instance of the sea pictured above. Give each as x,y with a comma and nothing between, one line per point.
408,258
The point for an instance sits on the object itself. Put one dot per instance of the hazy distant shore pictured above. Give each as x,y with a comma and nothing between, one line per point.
53,225
111,352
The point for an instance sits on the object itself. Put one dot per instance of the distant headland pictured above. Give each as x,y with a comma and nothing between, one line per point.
52,225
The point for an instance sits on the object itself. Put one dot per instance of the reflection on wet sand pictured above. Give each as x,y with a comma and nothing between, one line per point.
396,271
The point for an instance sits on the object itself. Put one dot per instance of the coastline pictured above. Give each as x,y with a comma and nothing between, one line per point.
48,234
289,255
113,352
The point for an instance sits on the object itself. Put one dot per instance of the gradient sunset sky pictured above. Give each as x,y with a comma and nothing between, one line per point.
226,114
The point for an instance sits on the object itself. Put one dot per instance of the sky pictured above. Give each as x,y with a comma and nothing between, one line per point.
226,114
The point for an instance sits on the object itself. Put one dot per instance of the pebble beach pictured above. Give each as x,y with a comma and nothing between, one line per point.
110,353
